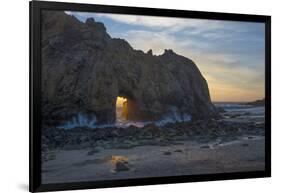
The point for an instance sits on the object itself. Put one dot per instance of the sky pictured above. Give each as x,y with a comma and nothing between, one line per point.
229,54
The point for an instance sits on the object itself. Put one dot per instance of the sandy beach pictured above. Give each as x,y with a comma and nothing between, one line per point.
183,158
233,144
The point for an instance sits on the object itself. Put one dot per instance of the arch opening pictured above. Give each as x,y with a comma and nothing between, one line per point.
121,109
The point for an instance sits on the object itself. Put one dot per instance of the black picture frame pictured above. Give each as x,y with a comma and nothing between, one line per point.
35,91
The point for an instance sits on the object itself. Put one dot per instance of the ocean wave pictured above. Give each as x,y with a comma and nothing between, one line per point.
82,120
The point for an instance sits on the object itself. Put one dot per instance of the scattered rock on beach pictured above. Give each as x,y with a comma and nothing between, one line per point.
121,166
48,156
167,153
151,134
205,147
92,152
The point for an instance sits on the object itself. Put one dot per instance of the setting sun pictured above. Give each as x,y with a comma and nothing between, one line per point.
120,101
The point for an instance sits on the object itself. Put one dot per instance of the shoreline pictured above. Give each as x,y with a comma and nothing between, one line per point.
234,143
210,130
184,158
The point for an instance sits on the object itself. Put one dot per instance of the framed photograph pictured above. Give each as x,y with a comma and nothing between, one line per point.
125,96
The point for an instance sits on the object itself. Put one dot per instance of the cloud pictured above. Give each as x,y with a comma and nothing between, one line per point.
171,24
148,21
145,40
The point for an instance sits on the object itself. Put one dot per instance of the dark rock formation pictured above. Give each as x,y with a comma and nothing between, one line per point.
257,103
84,70
121,166
124,138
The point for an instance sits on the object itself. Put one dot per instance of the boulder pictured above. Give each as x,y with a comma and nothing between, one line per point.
121,166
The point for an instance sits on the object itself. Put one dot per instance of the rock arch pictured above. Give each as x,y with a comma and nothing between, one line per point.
84,70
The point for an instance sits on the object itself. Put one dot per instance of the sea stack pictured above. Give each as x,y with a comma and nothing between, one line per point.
84,70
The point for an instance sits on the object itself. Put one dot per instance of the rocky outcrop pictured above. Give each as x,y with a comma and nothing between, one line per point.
124,138
260,102
84,70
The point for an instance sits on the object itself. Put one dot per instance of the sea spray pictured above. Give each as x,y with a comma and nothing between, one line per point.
82,120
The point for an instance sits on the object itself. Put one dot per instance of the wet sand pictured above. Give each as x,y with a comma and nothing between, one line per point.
184,158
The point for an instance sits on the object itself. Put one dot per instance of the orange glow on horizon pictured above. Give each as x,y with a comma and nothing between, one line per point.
220,92
225,94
